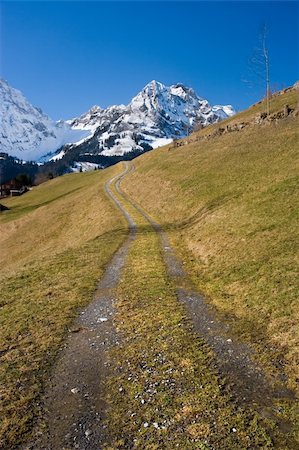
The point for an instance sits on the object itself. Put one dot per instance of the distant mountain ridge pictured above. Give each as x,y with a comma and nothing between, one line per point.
154,117
25,131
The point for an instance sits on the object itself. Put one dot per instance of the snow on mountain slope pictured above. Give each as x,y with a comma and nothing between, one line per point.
154,117
96,117
26,132
84,167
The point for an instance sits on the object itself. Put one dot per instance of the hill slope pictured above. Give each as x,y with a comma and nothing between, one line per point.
55,242
226,198
229,203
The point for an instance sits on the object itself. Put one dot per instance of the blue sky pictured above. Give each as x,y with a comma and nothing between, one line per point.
67,56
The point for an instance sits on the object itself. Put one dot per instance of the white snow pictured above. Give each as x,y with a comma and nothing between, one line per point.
57,156
86,166
224,111
155,116
160,142
26,132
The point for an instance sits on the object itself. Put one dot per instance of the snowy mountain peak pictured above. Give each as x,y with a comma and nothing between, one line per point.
154,117
154,86
176,104
95,109
26,132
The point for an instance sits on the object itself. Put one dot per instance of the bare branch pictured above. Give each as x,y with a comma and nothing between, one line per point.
259,66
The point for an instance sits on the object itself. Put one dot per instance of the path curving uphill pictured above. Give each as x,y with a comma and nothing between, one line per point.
154,387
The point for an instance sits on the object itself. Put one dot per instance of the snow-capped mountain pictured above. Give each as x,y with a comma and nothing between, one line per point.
26,132
156,116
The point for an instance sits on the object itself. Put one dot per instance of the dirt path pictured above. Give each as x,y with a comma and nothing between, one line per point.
73,405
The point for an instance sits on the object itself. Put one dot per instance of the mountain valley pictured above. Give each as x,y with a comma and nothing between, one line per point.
202,322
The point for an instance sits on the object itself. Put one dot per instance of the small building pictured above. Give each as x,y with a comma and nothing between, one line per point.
11,188
6,187
17,192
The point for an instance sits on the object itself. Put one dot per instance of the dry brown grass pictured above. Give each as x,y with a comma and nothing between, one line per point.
163,392
56,243
66,220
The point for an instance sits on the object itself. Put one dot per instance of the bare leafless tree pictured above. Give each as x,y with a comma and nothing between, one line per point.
265,57
259,66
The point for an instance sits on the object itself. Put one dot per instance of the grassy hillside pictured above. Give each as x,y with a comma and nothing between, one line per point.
63,213
55,242
230,206
164,391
